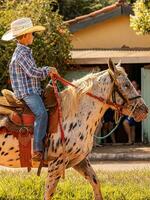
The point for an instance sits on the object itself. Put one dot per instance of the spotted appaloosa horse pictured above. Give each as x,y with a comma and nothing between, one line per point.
81,115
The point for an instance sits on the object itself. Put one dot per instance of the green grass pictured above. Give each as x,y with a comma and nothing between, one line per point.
129,185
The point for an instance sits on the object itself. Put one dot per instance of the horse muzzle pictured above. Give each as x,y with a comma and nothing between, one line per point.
140,113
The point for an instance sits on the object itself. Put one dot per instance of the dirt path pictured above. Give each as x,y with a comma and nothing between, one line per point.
121,166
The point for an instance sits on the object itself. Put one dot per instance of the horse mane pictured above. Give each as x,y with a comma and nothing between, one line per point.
71,95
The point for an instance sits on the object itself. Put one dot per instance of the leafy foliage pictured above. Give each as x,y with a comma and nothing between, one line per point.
51,47
140,22
73,8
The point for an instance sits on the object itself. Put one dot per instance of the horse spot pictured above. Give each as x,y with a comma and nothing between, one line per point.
55,160
90,130
18,159
10,160
5,154
3,143
11,148
56,168
16,151
88,164
2,152
81,137
74,125
70,150
51,194
7,135
78,151
51,170
58,142
67,141
70,127
66,162
88,116
94,179
0,148
59,162
96,123
87,127
57,178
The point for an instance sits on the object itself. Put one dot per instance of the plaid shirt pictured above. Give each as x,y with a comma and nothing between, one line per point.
24,75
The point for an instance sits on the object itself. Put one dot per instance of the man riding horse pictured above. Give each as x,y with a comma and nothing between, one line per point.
26,77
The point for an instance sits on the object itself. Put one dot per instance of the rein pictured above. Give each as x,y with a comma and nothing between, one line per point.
53,78
67,83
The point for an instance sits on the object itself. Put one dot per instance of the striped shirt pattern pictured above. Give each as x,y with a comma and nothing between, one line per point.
24,75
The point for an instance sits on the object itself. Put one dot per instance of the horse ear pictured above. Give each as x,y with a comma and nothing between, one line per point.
119,64
111,65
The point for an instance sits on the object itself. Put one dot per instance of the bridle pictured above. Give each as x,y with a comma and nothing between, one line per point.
116,89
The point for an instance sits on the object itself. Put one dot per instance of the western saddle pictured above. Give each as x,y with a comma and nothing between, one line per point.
17,119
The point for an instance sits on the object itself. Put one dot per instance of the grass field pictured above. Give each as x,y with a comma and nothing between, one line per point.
130,185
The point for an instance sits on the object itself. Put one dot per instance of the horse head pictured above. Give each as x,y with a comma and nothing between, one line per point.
125,95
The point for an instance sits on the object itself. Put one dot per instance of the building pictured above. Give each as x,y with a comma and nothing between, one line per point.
107,33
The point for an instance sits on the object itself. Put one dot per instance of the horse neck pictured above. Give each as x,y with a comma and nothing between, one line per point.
90,113
84,108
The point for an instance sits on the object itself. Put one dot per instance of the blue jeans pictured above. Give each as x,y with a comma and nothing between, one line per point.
35,103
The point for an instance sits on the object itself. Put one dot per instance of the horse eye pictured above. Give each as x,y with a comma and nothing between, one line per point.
126,85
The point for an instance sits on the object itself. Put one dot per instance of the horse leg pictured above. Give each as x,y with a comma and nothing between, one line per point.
50,187
86,170
55,169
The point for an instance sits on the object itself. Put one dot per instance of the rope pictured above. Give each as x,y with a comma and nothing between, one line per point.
111,132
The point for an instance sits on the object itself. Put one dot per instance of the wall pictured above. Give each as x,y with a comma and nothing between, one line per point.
112,33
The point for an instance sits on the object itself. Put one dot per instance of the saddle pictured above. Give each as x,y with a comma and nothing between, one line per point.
17,119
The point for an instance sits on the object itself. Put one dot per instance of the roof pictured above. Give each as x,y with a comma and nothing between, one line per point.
114,10
100,56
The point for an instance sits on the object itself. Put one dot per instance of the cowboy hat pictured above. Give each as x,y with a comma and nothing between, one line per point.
20,27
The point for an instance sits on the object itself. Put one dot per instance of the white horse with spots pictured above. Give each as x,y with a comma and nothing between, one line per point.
81,115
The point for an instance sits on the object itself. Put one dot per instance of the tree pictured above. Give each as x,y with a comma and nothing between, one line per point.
51,47
140,22
70,9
